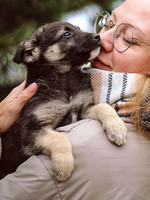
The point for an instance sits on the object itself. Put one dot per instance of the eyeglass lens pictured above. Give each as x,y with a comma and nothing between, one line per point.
102,20
123,36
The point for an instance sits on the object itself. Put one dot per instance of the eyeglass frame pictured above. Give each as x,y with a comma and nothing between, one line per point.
111,21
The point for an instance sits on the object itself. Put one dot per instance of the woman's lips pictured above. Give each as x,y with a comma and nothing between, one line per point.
99,64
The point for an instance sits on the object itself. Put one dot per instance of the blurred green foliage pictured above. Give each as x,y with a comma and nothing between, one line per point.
19,19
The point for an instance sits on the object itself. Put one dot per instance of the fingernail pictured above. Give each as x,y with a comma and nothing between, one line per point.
32,88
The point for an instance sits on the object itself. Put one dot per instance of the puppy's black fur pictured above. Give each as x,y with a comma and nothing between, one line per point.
53,57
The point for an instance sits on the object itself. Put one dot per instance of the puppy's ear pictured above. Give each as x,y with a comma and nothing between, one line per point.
27,52
19,54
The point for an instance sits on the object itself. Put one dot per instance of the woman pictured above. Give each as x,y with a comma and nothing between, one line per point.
102,170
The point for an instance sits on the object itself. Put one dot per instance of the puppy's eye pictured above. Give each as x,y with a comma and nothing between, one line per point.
67,35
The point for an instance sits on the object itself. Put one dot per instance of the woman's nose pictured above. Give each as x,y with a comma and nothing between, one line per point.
107,40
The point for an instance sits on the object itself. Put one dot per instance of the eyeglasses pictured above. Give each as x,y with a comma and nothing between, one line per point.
123,37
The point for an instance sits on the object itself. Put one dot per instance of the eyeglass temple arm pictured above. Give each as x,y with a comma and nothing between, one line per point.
140,40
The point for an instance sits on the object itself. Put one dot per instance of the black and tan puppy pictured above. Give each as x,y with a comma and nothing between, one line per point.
53,57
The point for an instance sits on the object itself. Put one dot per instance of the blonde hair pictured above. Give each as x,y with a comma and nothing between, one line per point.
141,112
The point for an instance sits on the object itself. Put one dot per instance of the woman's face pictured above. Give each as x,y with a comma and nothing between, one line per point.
136,59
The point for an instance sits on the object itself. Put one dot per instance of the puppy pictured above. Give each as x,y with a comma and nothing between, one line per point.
53,56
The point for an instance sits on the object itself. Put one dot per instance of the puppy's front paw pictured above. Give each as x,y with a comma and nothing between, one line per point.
116,131
63,165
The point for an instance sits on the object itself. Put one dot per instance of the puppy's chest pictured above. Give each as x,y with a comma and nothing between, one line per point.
65,102
58,112
80,99
78,104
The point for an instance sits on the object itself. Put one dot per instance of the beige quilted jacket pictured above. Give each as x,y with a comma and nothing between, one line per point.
103,171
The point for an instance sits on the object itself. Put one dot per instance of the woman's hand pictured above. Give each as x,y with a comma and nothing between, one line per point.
12,105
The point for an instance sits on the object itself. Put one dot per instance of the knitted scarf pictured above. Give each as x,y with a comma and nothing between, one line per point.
114,88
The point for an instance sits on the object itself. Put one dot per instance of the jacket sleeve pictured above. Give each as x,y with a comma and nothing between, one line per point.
31,180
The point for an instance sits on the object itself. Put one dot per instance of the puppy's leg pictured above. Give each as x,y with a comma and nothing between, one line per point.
114,126
57,145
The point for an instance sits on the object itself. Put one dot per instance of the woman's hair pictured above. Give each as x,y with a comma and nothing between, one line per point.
141,112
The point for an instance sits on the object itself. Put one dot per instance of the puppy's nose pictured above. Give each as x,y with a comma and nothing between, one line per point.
96,37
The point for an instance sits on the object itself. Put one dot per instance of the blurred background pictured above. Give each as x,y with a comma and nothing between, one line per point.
20,18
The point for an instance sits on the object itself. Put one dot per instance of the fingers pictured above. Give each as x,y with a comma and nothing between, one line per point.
25,95
17,90
11,106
